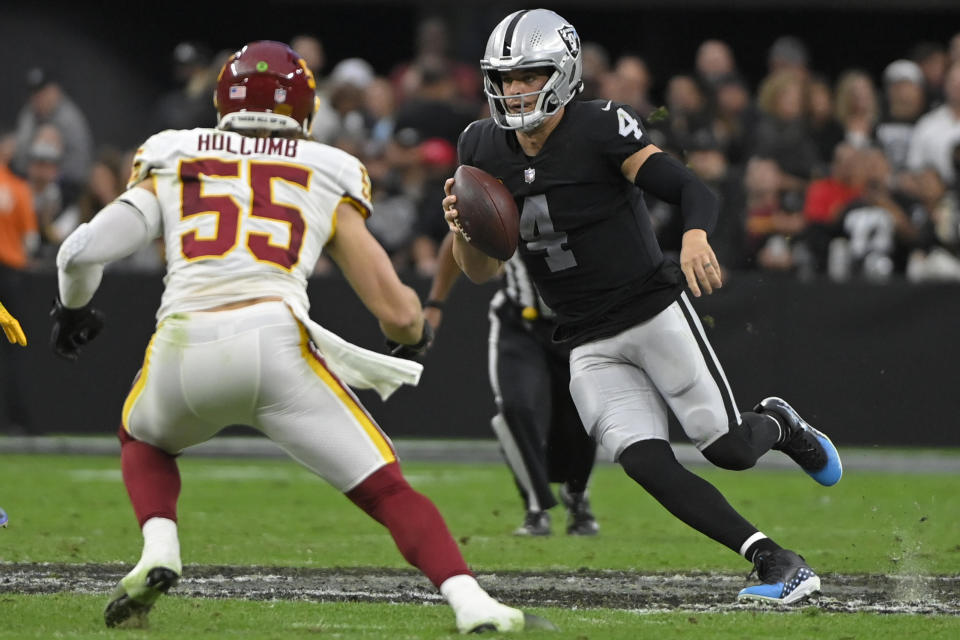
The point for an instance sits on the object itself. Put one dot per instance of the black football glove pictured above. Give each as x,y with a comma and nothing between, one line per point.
73,328
412,351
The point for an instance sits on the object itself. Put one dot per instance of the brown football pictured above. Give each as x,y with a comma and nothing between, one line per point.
488,213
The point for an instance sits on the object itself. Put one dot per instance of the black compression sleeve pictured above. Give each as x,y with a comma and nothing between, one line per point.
663,176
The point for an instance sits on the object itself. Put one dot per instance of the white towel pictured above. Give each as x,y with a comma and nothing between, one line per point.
358,367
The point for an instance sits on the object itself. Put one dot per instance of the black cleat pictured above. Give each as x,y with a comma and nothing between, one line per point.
536,523
809,448
580,520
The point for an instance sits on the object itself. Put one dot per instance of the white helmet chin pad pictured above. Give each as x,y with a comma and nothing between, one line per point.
532,39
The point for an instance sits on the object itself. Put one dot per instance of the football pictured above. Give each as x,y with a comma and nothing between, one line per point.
488,217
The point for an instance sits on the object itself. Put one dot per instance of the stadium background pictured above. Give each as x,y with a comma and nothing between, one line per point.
873,360
115,59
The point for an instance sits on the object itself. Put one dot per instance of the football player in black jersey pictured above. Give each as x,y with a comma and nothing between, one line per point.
537,424
574,168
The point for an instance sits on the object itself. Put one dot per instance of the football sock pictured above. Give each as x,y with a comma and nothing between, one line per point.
414,522
744,443
462,590
652,464
151,477
784,429
475,608
757,542
161,546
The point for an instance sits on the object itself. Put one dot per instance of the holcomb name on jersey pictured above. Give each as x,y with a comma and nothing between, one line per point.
246,145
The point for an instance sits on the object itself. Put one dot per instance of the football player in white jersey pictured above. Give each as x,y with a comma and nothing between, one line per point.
244,211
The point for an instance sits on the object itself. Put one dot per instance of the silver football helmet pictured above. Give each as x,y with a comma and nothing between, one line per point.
527,39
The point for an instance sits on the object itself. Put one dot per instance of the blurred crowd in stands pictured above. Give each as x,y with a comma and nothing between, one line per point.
847,177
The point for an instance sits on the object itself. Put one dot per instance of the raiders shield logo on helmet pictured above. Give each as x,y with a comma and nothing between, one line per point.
570,39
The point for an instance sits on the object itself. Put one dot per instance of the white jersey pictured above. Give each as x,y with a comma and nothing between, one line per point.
244,217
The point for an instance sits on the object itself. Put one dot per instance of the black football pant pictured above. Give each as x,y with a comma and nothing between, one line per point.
538,426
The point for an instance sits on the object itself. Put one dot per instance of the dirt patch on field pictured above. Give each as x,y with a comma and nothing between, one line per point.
580,589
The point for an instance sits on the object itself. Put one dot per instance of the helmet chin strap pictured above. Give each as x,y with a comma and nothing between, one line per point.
532,121
526,122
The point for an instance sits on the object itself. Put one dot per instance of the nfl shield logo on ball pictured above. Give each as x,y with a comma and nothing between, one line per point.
529,175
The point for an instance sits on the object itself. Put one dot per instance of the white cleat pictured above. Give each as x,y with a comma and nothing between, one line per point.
489,616
478,612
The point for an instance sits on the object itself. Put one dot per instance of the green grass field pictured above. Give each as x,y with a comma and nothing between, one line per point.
270,512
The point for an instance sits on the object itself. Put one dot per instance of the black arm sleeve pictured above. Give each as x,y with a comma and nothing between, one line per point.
663,176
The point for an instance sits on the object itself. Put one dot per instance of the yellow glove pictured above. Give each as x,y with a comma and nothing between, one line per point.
12,328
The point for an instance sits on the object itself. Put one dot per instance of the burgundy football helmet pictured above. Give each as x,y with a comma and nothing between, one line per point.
265,85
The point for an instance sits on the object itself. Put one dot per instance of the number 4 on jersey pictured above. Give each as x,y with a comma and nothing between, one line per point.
628,124
536,229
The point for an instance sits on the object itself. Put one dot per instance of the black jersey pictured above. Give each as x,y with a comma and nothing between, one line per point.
585,235
521,290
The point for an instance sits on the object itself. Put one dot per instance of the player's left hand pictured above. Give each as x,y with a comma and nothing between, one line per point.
12,328
449,202
412,351
699,263
73,328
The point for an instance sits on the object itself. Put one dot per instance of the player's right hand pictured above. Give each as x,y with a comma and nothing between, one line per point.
433,316
699,263
11,327
73,328
412,351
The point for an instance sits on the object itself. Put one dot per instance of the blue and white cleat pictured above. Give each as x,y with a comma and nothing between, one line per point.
786,578
3,518
806,446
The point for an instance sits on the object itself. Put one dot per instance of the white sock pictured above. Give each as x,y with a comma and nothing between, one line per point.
745,547
161,546
461,590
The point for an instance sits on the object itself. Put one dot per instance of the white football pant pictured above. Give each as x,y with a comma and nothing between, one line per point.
254,365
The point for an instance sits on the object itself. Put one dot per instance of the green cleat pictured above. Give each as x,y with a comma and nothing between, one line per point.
135,595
